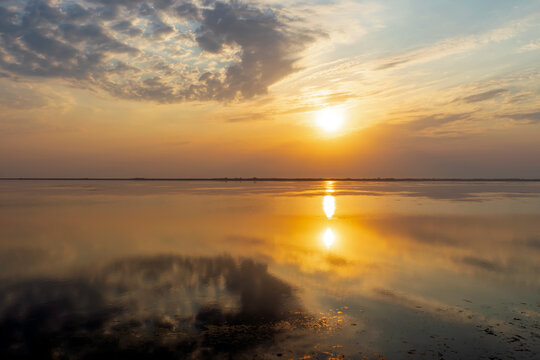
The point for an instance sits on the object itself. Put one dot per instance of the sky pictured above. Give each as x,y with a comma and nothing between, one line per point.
283,88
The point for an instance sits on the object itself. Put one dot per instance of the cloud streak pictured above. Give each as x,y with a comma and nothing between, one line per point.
525,118
486,95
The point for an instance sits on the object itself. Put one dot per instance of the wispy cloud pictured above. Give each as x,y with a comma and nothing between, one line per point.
530,47
486,95
455,45
525,118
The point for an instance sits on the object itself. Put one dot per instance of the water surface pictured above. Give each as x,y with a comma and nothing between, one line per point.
270,269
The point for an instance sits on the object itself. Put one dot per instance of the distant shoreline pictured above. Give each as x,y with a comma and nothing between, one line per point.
256,179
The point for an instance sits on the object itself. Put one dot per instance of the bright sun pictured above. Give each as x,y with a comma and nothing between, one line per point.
330,119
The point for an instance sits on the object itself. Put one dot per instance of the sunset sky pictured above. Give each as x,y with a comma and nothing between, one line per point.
285,88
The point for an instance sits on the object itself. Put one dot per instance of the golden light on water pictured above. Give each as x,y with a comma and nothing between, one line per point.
329,206
329,238
330,119
329,187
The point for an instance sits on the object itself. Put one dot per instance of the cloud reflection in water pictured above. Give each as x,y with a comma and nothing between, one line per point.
166,306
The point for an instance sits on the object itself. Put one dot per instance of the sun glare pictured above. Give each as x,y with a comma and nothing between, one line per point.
330,119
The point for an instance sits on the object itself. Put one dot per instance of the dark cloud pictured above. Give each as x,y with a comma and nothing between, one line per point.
391,64
76,11
163,4
147,308
158,29
268,50
94,36
127,28
40,12
481,263
486,95
49,47
525,118
188,10
39,40
83,40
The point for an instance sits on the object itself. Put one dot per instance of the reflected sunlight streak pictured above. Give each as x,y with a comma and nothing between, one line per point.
329,238
329,187
329,206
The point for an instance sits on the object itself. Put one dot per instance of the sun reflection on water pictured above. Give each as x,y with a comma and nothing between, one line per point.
329,206
329,187
329,238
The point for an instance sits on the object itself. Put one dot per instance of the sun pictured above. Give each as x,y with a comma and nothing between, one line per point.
330,119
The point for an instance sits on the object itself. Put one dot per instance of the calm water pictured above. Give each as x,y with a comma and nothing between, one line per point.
269,270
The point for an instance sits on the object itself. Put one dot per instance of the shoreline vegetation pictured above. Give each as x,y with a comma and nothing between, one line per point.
255,179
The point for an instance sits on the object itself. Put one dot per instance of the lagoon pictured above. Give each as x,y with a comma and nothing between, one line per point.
262,269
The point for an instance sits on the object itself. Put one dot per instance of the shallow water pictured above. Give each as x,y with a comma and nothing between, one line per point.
270,269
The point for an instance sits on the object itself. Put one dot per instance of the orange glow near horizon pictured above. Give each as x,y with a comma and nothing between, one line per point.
320,106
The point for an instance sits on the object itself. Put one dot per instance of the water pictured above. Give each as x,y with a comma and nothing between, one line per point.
204,270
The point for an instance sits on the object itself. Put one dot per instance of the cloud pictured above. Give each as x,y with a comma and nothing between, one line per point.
188,10
530,47
525,118
434,121
486,95
267,51
248,118
23,96
214,50
481,263
393,63
346,68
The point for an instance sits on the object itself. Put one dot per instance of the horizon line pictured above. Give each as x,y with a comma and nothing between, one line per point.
372,179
